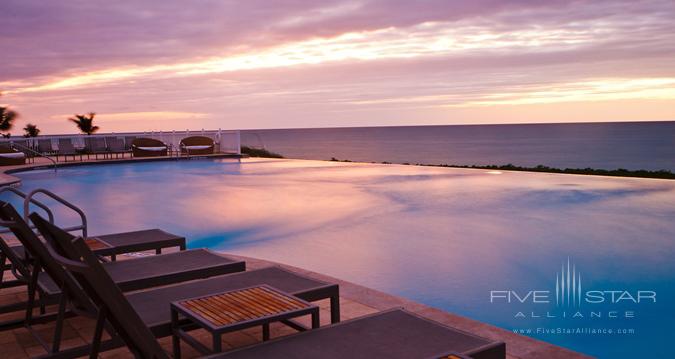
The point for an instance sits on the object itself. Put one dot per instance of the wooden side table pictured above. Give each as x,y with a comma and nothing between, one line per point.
96,244
235,310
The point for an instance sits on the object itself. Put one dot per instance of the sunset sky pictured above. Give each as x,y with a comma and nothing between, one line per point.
160,65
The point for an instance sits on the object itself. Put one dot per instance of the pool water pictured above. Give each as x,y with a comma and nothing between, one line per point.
466,241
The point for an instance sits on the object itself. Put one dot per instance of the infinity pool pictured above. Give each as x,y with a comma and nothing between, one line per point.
467,241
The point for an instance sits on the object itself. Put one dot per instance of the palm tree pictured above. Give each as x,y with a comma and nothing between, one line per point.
31,130
85,123
7,118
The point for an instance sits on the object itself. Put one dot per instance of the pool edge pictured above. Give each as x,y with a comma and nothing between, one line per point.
6,178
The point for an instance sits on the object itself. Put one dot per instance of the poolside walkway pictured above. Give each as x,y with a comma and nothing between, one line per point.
355,301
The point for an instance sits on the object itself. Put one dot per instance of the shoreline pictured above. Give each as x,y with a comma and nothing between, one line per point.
588,171
619,172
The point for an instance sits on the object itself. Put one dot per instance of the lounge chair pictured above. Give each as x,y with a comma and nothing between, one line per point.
116,147
112,245
45,147
128,141
148,147
133,274
159,269
390,334
152,305
197,145
96,146
66,148
11,157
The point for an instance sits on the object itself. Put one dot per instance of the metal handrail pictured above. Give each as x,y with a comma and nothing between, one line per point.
83,217
22,147
33,201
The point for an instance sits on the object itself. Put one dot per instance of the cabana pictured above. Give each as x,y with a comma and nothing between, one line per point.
148,147
197,145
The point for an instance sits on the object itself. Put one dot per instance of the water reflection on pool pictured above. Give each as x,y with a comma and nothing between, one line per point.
444,237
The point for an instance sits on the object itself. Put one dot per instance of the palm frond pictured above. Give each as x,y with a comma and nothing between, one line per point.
85,123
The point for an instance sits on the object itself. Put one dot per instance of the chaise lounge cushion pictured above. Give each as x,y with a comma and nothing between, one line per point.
158,148
197,145
13,155
148,147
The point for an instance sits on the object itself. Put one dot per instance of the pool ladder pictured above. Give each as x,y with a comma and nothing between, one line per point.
28,199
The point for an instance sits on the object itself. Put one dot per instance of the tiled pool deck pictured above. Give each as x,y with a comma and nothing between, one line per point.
355,301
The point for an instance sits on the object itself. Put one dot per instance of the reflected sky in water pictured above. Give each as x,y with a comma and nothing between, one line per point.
444,237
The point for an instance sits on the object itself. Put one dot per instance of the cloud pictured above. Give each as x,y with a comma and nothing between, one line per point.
83,36
242,60
429,38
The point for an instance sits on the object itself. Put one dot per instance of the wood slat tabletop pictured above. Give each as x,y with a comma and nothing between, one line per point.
242,305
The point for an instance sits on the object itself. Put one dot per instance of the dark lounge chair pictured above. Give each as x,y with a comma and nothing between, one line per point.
197,145
66,148
96,146
155,270
10,156
128,141
116,147
152,306
129,275
112,245
148,147
390,334
45,147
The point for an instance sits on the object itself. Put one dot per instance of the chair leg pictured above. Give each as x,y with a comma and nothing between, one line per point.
335,309
266,332
3,259
32,290
43,306
316,323
98,333
60,317
175,338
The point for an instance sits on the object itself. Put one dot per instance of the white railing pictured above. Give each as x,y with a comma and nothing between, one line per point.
227,141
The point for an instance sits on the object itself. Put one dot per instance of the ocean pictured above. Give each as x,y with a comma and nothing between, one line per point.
629,145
